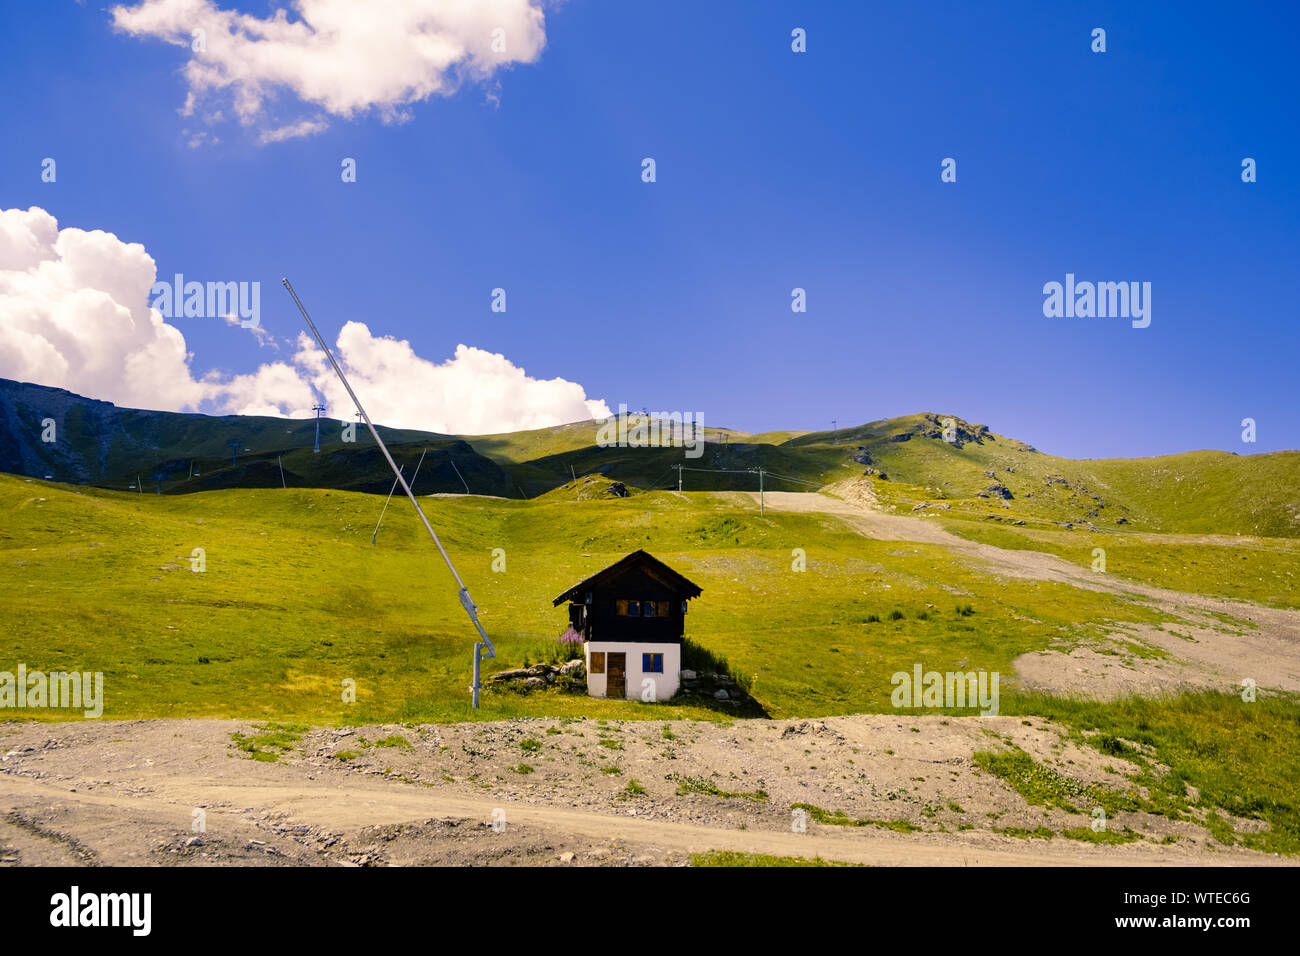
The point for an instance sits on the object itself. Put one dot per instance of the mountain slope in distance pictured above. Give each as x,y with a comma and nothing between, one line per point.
925,463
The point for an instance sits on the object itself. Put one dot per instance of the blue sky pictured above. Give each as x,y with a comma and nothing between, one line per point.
775,170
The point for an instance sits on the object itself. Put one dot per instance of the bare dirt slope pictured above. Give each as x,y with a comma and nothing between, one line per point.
597,793
1203,653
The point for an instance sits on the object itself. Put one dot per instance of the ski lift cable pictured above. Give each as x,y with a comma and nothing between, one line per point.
417,467
375,533
801,481
752,471
457,471
466,601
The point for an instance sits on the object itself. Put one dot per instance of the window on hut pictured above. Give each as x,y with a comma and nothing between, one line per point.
652,663
626,608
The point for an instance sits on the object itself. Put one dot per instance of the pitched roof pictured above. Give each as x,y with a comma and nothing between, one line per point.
640,559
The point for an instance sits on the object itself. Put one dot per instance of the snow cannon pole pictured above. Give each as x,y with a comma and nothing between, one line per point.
485,646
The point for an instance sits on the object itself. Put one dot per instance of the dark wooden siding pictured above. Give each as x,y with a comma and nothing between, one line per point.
604,623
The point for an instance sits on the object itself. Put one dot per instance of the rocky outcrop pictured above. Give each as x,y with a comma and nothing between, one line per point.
960,433
719,687
571,676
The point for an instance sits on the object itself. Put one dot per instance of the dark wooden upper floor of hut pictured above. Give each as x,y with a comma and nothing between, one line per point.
637,598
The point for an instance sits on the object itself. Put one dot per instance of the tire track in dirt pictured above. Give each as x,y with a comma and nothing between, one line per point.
24,841
351,808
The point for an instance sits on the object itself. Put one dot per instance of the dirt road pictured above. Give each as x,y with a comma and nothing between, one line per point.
597,793
1205,652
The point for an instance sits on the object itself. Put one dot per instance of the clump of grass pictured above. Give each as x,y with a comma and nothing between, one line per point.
611,770
895,615
687,785
1042,786
1110,744
346,755
529,745
633,788
1089,835
274,741
730,858
611,744
394,740
1038,833
838,818
964,610
702,785
522,768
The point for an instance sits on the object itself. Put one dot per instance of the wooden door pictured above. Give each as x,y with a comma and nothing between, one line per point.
615,675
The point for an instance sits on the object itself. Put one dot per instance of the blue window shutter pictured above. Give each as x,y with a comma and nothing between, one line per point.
645,664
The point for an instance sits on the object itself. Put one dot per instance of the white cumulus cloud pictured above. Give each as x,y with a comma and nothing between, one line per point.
75,314
339,57
473,393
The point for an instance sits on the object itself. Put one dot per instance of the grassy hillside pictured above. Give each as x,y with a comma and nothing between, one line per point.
904,464
449,466
1196,492
540,460
99,443
294,600
718,468
1266,570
